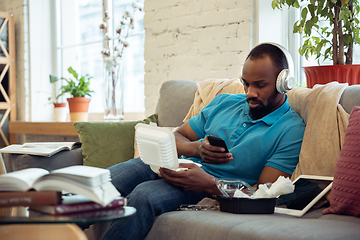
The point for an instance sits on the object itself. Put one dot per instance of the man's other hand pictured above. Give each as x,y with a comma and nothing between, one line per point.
195,179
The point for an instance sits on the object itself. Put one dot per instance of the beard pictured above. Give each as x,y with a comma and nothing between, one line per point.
262,110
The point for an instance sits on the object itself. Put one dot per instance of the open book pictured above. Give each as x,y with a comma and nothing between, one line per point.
46,149
91,182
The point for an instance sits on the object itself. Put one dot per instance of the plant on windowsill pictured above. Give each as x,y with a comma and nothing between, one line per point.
60,110
334,41
78,88
54,97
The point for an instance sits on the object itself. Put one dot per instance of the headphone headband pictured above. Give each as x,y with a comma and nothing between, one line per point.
285,80
287,56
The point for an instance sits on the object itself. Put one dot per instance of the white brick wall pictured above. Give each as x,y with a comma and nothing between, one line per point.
195,40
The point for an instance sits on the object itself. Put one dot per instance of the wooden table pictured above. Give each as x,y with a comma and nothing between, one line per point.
41,128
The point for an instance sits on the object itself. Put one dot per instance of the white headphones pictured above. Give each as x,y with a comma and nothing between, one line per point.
285,80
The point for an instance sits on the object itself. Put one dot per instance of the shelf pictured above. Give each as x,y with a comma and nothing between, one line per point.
7,71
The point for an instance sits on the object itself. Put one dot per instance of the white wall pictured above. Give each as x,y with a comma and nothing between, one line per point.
195,40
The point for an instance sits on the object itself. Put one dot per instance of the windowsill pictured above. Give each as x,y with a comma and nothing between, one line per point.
57,128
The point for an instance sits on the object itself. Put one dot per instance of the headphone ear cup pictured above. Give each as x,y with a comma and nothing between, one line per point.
281,81
284,83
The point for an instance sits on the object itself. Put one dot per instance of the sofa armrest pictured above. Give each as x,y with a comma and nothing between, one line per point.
15,162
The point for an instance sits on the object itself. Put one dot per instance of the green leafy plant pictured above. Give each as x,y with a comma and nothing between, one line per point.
334,41
77,88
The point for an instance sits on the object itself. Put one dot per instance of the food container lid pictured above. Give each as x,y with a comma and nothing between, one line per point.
228,186
158,144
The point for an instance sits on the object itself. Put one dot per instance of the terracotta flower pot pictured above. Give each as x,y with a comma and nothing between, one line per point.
60,112
60,104
324,74
79,107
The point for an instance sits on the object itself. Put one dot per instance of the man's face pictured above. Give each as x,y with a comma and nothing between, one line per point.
259,78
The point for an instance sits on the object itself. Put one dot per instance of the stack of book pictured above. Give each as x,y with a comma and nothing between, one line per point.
77,203
42,190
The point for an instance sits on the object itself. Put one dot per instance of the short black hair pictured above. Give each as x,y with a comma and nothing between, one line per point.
276,55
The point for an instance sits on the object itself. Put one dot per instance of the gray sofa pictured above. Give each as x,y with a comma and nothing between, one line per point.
175,99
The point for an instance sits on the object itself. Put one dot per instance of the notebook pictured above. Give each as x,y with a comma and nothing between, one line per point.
309,191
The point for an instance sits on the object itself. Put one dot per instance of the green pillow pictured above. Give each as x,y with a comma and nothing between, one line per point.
105,144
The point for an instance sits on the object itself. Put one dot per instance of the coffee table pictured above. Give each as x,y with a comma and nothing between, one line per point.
81,218
40,226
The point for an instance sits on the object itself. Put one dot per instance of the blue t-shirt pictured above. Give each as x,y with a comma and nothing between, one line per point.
274,140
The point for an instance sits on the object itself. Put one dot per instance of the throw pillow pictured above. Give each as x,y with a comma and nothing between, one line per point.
105,144
345,192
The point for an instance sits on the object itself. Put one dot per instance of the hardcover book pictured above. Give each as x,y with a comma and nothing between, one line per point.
77,203
29,198
46,149
91,182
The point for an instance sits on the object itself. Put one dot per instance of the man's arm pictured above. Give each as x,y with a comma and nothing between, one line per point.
185,141
270,174
195,179
286,155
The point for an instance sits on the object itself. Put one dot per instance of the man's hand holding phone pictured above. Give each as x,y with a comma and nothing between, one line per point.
214,150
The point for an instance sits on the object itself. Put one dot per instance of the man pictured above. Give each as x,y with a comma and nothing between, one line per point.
262,132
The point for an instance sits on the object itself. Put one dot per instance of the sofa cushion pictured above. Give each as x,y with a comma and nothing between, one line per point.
350,98
175,100
105,144
184,225
345,192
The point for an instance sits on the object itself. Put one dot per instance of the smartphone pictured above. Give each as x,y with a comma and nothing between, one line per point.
215,141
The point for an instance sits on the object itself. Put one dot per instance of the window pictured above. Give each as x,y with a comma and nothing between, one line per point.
279,30
80,43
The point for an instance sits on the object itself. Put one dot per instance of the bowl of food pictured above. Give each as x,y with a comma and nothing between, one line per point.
237,197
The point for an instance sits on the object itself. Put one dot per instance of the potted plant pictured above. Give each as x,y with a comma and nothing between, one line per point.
332,42
78,88
60,110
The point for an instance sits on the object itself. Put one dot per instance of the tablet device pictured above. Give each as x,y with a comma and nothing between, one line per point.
309,190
